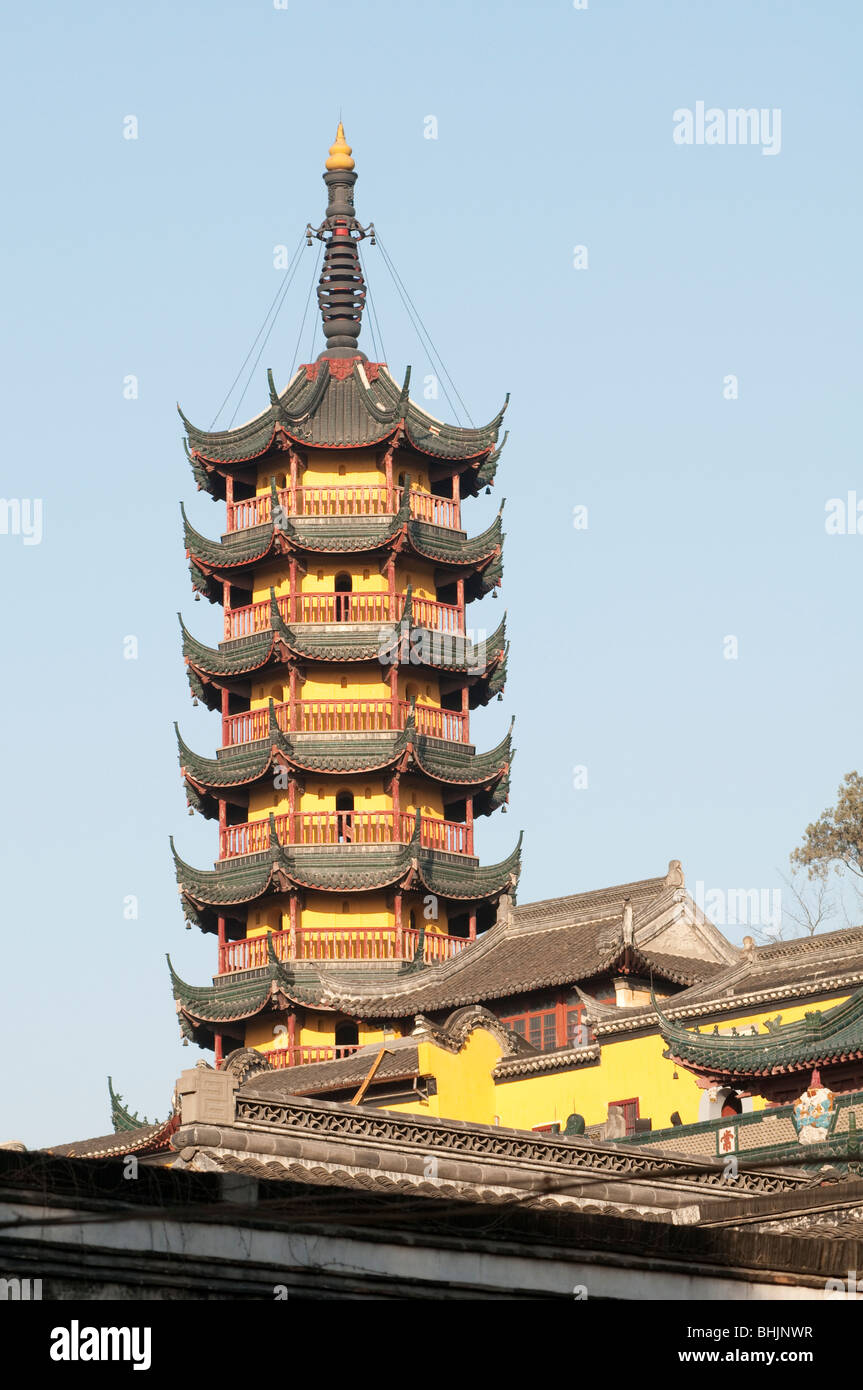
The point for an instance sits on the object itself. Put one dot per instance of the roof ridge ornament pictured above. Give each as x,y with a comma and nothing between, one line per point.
341,288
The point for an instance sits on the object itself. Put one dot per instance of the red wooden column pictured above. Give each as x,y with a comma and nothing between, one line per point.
225,711
230,523
294,608
398,917
465,709
221,938
397,819
560,1022
391,585
292,1038
469,824
292,500
456,500
388,469
223,827
218,1045
292,699
394,695
226,604
459,587
293,837
293,926
472,925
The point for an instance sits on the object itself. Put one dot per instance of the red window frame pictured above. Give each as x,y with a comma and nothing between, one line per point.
630,1112
537,1026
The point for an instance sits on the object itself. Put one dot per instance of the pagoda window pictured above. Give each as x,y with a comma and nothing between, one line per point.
347,1037
345,816
343,587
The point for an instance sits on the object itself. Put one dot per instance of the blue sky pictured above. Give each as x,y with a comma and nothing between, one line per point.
154,258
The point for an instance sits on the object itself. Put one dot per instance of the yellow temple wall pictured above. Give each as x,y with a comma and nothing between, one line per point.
626,1069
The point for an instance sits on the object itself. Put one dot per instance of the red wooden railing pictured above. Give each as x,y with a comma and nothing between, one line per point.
358,500
346,828
331,607
344,717
296,1057
339,943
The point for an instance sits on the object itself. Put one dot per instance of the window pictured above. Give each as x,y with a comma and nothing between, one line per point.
578,1031
345,816
630,1112
347,1037
538,1028
343,586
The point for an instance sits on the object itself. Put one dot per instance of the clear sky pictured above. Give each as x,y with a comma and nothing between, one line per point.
153,258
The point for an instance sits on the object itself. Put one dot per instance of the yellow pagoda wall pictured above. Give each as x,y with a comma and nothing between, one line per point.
334,468
326,912
369,795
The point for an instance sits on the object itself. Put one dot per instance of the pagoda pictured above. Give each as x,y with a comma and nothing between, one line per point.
346,786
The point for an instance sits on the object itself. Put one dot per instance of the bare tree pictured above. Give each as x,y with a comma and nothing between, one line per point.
812,903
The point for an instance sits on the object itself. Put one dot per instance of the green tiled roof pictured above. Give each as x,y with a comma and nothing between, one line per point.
346,535
453,764
420,648
821,1037
233,997
123,1119
328,413
237,883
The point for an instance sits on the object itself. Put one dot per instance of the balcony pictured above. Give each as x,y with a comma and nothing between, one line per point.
359,500
346,828
279,1057
339,944
344,717
329,607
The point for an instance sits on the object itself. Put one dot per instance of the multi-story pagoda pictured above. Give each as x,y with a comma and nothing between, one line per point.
346,786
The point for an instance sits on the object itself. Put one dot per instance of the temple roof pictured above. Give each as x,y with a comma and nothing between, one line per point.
233,997
532,951
414,646
341,869
820,1038
239,550
804,967
542,945
121,1117
399,1063
143,1140
348,404
453,765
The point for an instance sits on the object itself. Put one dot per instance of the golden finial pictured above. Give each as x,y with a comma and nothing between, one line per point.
340,152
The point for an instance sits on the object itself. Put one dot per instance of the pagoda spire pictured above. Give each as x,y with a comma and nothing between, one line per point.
341,288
